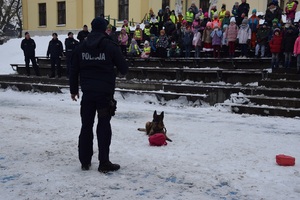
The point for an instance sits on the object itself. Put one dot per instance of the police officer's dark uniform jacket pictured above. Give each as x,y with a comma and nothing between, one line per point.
70,44
93,63
55,50
28,46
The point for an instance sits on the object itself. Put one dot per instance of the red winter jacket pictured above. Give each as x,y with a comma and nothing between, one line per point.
275,44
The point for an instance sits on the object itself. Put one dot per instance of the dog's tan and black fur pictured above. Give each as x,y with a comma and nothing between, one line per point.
156,126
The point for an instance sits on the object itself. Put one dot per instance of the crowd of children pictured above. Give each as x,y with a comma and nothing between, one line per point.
216,34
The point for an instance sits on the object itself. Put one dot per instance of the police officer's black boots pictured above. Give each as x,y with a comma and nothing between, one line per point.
108,167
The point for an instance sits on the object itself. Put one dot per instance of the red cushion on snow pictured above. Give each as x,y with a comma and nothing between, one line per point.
284,160
158,139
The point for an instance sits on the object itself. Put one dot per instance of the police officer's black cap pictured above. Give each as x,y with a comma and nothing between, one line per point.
99,24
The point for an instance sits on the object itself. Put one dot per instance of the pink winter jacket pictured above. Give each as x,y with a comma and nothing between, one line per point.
232,32
297,46
123,39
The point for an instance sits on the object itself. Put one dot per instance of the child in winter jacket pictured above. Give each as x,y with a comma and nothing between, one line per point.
123,41
244,37
187,41
174,50
162,44
253,24
197,42
153,40
138,34
147,50
216,37
224,41
133,49
262,39
231,36
288,41
206,39
275,47
297,53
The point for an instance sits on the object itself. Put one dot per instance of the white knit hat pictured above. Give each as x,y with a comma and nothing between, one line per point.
232,20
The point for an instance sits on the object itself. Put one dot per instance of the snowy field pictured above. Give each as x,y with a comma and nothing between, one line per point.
214,154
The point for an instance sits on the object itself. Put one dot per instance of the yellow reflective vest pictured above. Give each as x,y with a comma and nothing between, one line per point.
189,17
147,50
173,19
147,31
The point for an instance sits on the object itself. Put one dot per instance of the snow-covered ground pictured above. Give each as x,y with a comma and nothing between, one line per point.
214,154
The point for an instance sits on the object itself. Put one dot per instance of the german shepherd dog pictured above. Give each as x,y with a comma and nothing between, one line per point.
156,126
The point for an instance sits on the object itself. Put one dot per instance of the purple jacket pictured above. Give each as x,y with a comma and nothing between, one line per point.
216,36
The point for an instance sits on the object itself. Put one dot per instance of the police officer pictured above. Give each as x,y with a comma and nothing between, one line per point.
55,50
93,61
82,35
70,44
28,47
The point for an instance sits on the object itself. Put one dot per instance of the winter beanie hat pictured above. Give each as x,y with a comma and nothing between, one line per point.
245,21
99,24
232,19
254,11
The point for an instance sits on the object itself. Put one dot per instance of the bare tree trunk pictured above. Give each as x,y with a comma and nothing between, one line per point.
10,12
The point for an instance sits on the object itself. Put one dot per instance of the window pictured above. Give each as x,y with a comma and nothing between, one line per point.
123,9
204,4
99,8
165,3
61,12
42,14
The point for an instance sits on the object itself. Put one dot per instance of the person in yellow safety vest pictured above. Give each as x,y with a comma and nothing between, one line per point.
138,34
147,50
213,10
173,17
222,12
189,16
146,31
290,9
133,49
125,25
148,17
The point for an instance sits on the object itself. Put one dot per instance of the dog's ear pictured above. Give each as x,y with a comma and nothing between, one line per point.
162,115
154,114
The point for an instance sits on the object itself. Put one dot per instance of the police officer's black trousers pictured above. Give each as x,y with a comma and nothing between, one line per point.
68,62
90,104
55,61
34,65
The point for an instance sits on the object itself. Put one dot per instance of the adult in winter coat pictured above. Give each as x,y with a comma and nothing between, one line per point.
93,64
273,12
55,51
275,47
243,11
289,37
231,36
82,35
70,44
28,47
290,10
253,24
244,37
262,39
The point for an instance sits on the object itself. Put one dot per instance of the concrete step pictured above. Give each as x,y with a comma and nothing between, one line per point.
280,83
265,110
282,76
270,101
